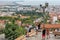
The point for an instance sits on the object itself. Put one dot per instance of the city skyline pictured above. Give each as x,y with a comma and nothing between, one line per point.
34,2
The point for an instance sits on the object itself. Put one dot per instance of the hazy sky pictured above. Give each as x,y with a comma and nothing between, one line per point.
36,2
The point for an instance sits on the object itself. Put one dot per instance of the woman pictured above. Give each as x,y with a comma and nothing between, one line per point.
43,32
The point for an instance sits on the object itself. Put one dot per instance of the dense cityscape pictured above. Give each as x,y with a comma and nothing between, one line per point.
28,22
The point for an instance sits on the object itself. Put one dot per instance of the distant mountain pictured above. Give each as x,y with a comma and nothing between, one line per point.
2,3
14,3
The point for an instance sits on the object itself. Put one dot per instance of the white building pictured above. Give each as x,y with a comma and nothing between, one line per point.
25,8
54,19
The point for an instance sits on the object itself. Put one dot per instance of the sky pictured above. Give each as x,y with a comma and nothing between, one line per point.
36,2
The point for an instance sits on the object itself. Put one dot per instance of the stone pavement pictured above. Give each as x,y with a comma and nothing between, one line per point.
2,37
39,37
36,37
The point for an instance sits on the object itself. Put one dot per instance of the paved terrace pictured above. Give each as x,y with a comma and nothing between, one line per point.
35,37
39,37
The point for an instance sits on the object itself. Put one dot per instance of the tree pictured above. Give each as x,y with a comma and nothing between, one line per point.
45,15
12,31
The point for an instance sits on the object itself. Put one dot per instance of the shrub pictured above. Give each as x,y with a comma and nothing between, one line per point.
12,31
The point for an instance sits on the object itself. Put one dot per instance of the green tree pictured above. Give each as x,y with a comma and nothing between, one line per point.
12,31
45,15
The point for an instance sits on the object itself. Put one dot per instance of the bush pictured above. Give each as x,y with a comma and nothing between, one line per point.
12,31
1,31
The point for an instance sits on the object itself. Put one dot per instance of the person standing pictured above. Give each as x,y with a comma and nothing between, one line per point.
47,32
39,27
36,30
27,29
43,33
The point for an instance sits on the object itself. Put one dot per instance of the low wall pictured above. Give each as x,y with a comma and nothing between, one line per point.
21,38
50,25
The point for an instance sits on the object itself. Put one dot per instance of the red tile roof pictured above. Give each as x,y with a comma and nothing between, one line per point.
2,21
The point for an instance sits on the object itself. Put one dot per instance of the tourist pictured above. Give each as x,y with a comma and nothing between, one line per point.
39,26
36,28
43,33
47,32
27,29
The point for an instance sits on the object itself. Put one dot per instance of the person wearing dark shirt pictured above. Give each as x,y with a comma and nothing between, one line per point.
43,32
39,26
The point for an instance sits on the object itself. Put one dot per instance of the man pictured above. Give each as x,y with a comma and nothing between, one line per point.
28,28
